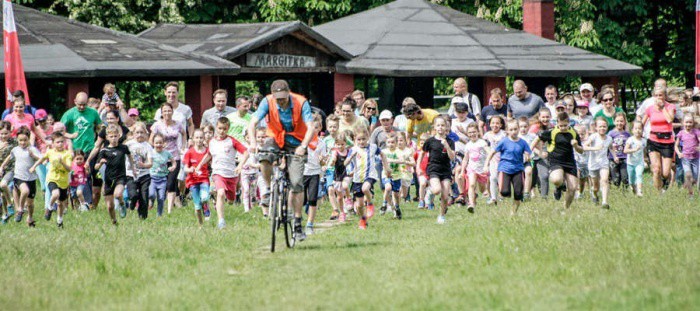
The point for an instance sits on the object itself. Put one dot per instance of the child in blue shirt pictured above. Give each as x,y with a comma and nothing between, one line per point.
514,152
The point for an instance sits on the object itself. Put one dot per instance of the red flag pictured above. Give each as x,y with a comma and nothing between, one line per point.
14,70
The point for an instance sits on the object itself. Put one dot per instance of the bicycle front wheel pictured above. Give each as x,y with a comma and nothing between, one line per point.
287,218
275,217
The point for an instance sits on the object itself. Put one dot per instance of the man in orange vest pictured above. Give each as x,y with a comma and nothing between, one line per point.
288,118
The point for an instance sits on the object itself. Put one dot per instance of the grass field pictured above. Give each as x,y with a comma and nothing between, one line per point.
642,254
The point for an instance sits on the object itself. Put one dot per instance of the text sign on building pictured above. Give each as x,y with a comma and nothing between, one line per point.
279,60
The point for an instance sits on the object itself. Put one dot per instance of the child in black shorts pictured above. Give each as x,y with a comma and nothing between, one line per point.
440,154
114,157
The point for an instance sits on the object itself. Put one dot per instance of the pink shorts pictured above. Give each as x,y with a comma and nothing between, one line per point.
480,178
228,184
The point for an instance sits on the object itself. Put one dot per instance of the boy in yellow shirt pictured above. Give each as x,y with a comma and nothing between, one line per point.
58,176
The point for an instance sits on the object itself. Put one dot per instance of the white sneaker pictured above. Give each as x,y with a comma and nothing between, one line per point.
441,219
222,224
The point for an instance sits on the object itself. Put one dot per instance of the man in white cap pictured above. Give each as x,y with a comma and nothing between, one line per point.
587,91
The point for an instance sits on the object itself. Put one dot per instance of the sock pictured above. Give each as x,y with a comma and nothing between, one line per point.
59,219
384,203
297,221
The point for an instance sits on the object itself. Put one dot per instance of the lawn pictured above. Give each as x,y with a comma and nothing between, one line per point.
642,254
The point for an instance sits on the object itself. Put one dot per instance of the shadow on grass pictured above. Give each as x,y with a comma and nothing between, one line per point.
347,245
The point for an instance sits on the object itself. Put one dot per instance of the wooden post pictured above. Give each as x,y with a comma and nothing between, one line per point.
343,84
198,95
76,86
491,83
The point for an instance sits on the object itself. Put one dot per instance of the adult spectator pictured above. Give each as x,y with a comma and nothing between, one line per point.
661,139
173,133
19,119
587,92
495,108
81,123
641,110
255,102
608,111
400,121
94,103
28,109
419,120
350,120
134,116
181,112
110,104
370,112
290,128
239,119
219,110
551,94
460,88
359,98
378,136
523,103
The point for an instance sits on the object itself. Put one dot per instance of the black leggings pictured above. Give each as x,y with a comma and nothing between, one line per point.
505,180
138,192
618,173
311,190
171,184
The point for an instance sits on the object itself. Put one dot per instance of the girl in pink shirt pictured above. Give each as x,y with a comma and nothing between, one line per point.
660,142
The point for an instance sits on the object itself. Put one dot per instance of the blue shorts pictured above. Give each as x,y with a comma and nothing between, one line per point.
395,184
690,167
74,190
357,187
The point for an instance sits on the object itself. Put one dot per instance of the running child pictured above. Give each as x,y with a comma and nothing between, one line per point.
222,154
422,173
493,137
114,157
332,124
341,183
78,180
474,165
58,178
523,132
686,147
617,157
157,162
598,164
138,186
513,151
251,177
634,148
540,170
441,154
560,145
392,177
24,156
407,170
364,173
582,162
312,176
197,181
7,143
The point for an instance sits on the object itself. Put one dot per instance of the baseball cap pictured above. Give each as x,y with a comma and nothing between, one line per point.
133,112
386,114
586,86
40,115
560,104
280,89
582,104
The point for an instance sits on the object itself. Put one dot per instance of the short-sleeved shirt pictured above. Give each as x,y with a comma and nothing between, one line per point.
286,118
313,160
192,159
223,156
561,152
364,163
599,159
636,158
329,142
359,121
394,167
161,162
239,125
139,151
379,135
489,111
512,154
57,172
25,121
212,115
5,152
83,123
24,161
456,124
609,119
619,138
103,135
689,140
78,175
116,161
181,114
659,124
171,133
418,127
475,151
526,107
493,139
439,161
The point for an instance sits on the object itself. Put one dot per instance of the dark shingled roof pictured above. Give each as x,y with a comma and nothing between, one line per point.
419,38
229,41
56,47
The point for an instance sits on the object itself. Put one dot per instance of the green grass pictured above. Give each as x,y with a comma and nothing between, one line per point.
642,254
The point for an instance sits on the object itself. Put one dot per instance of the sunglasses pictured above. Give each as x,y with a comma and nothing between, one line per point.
346,111
607,99
371,108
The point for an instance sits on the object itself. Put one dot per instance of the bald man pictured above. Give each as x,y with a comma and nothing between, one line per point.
472,101
523,103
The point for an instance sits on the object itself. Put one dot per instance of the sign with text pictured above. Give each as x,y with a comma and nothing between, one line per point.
263,60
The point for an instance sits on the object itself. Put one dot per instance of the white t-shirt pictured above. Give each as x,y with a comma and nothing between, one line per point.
139,151
456,124
364,163
223,156
599,159
476,153
313,160
181,114
636,158
593,106
24,161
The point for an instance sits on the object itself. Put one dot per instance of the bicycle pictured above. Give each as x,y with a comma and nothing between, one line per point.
280,216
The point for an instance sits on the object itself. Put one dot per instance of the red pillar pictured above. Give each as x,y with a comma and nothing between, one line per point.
76,86
538,18
491,83
343,84
198,95
697,43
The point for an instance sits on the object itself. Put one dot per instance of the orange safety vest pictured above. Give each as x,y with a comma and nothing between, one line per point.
274,125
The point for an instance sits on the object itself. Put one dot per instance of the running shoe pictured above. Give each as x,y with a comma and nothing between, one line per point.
334,215
441,219
606,206
122,210
470,209
10,210
370,211
421,205
363,224
299,235
309,230
4,219
342,217
557,193
397,213
382,210
47,214
431,206
221,225
60,225
205,209
19,215
526,197
84,207
490,201
348,204
31,224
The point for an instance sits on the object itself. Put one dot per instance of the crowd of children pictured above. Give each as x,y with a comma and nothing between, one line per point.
458,160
